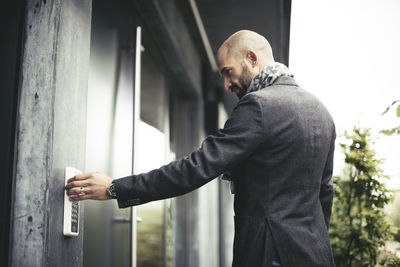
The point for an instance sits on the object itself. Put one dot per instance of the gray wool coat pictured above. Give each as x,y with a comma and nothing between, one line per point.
279,144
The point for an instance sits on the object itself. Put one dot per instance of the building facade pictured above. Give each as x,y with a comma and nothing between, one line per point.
119,87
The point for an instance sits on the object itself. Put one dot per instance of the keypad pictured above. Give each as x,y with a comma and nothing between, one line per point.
74,216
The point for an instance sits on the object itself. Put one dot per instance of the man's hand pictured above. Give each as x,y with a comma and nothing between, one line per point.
88,186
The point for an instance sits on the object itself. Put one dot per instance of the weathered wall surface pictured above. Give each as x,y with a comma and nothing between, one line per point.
51,129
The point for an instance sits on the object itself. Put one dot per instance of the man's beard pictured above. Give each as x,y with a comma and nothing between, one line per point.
244,81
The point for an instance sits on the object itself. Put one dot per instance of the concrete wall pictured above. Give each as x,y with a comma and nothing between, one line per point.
51,129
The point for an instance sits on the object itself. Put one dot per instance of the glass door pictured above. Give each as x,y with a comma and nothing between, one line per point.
154,238
127,133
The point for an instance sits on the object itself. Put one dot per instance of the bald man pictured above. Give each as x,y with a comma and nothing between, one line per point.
276,147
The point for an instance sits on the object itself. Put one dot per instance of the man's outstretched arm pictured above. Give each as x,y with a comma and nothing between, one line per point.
242,134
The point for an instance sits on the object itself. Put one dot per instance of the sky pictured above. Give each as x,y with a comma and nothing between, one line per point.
347,53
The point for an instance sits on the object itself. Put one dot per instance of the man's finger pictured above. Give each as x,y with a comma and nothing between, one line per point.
76,184
83,176
70,179
79,197
79,190
71,192
74,178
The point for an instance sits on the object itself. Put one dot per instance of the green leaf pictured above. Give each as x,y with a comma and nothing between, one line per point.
398,111
388,132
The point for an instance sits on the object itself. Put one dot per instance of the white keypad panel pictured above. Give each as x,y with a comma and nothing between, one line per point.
71,209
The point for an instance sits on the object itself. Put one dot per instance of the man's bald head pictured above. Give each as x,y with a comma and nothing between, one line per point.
239,43
240,58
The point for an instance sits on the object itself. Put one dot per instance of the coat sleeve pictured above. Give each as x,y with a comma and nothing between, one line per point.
241,135
327,190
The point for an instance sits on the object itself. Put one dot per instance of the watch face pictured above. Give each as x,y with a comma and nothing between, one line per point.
111,191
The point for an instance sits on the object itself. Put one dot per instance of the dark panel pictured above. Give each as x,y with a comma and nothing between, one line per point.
270,18
212,95
166,26
10,32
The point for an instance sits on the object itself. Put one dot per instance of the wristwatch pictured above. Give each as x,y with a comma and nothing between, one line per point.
111,191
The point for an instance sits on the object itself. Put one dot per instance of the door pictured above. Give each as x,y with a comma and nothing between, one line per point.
127,132
151,150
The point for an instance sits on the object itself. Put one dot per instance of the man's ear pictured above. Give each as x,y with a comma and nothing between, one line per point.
252,58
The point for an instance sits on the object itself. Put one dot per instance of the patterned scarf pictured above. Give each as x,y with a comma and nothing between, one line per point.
265,78
268,76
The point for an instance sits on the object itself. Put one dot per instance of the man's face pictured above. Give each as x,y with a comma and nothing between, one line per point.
235,72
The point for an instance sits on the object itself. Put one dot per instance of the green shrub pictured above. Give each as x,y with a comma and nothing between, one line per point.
359,228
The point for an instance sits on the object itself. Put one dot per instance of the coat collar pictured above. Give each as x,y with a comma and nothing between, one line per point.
286,80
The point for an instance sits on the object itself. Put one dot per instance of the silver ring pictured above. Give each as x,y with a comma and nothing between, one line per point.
81,193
